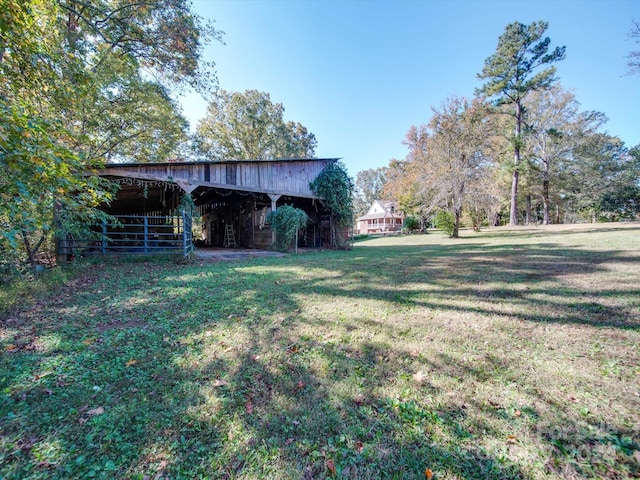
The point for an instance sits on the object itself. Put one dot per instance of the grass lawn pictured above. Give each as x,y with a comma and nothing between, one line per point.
505,354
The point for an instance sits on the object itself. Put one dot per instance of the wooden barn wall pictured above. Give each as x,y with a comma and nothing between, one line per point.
287,177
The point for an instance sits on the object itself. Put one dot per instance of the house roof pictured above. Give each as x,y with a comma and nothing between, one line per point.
388,211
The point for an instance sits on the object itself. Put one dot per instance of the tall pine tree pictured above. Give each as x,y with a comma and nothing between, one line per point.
521,64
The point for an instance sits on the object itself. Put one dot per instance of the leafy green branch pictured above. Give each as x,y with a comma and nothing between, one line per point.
286,221
335,189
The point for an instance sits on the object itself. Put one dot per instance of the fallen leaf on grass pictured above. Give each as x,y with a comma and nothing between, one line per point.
428,473
331,466
419,377
517,413
512,439
131,362
95,411
289,441
220,383
11,348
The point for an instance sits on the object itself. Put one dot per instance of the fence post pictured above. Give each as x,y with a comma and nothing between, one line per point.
146,234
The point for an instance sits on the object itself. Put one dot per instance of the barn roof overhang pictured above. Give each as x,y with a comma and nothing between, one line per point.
156,187
192,175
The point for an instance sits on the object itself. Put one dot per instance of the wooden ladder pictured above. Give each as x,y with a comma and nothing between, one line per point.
229,236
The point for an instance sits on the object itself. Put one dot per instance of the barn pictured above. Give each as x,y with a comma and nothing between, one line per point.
232,200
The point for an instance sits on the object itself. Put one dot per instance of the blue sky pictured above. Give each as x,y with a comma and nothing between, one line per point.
359,73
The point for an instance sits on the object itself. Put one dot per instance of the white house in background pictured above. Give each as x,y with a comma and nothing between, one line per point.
381,217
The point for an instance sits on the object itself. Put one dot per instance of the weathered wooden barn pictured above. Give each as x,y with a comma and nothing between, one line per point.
233,199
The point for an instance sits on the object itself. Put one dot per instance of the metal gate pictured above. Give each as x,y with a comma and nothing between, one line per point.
135,235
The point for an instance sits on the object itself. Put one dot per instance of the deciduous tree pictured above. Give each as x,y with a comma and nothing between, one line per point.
83,82
447,165
369,187
249,126
601,174
401,185
555,127
454,160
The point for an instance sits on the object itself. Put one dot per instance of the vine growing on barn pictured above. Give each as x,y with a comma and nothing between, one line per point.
335,189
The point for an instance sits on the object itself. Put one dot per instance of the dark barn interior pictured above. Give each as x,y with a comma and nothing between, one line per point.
233,208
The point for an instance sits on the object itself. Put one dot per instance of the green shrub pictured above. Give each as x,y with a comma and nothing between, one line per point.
286,221
411,223
445,222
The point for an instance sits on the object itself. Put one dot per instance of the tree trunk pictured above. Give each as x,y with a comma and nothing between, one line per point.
545,199
457,213
527,203
513,215
27,246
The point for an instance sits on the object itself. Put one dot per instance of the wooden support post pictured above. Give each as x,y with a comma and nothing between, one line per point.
186,186
253,211
274,200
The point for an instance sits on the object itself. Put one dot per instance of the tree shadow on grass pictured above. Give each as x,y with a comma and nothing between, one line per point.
142,385
486,275
336,423
540,231
206,371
